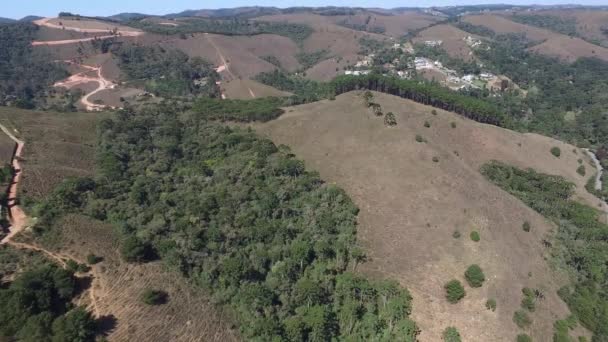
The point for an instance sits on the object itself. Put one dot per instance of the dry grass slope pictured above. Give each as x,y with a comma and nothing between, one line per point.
452,37
57,145
551,43
411,205
187,316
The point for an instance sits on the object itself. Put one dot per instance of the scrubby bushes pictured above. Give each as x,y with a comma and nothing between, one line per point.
454,291
474,276
556,151
529,300
390,120
451,334
526,226
523,338
154,297
581,170
522,319
491,304
475,236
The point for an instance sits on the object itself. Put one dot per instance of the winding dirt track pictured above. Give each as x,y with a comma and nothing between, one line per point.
82,78
106,33
19,221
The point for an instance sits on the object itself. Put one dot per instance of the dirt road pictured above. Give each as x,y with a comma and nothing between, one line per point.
19,222
224,66
598,178
17,216
105,33
82,78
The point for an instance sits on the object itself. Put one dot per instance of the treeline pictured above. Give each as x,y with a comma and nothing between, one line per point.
423,92
305,90
234,27
243,218
37,306
25,74
166,72
259,109
582,239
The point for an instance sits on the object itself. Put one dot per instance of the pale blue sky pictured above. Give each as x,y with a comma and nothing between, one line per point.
20,8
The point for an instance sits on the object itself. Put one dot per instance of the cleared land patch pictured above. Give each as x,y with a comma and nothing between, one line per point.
411,206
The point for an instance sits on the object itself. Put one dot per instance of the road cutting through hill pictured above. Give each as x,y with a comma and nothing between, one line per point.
106,33
19,221
82,78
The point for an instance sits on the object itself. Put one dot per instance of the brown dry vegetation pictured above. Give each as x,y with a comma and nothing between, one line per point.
57,145
187,316
48,34
91,24
588,22
341,42
452,37
551,43
410,206
240,89
394,25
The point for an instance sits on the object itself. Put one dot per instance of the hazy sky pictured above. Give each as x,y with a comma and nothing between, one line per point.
19,9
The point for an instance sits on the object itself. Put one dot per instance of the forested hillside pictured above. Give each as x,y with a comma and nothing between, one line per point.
166,72
25,74
242,218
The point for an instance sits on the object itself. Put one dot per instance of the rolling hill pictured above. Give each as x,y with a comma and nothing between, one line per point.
409,201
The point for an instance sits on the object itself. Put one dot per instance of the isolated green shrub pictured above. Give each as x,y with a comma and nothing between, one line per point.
580,161
475,236
491,304
526,226
419,138
451,334
454,291
522,319
389,119
556,151
524,338
529,300
581,170
453,124
474,276
427,124
434,112
154,297
436,159
93,259
456,234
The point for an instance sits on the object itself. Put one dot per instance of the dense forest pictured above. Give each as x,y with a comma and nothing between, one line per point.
36,306
25,74
166,72
234,27
242,218
582,244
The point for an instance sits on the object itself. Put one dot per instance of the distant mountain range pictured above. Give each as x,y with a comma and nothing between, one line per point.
257,11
